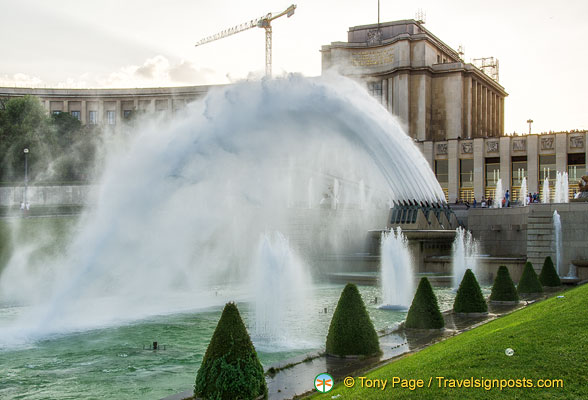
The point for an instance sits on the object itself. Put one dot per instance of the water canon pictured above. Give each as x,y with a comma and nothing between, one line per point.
523,194
281,286
498,195
180,211
558,241
465,253
546,195
396,270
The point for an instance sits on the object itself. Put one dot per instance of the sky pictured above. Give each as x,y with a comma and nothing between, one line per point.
146,43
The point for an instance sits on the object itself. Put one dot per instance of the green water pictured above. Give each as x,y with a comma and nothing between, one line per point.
110,363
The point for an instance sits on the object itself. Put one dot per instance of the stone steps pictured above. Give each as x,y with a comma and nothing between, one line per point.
540,238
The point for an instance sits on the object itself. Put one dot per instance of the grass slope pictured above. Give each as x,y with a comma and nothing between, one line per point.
550,340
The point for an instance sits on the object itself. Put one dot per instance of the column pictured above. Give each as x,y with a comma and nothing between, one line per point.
474,108
428,154
478,168
118,112
561,152
84,112
66,106
453,169
490,112
533,163
101,112
468,107
505,163
480,112
502,115
385,93
390,95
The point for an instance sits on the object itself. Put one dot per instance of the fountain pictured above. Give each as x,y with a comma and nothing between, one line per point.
546,195
179,214
396,271
498,195
558,241
561,188
465,252
281,285
523,194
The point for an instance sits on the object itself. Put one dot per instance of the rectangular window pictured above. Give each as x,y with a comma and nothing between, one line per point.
93,117
442,174
110,117
127,114
547,168
56,112
576,169
491,175
519,171
375,89
77,114
466,173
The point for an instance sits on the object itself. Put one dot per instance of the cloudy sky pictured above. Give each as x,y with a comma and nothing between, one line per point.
138,43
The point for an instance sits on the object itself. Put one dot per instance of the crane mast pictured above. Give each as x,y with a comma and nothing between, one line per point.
264,22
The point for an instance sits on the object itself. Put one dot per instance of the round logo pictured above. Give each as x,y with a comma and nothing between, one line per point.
323,383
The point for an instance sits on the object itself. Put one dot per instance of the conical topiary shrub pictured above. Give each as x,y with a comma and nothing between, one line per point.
424,311
351,331
529,282
230,368
548,276
503,288
469,298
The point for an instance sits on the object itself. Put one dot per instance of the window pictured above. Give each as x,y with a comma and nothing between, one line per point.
442,174
519,171
93,117
77,115
438,59
56,112
466,173
576,169
375,89
547,168
110,117
127,114
491,175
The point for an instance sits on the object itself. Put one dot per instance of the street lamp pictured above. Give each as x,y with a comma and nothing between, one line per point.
529,121
26,177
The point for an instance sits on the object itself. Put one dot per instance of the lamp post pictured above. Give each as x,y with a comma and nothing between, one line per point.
26,176
529,121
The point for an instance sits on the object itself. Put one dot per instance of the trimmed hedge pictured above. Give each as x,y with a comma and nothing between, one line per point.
529,282
469,298
548,276
351,331
503,288
424,311
230,368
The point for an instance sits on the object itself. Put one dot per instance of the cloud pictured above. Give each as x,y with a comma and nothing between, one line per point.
20,80
157,71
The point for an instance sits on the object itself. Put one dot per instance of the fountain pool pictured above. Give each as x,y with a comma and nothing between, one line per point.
110,362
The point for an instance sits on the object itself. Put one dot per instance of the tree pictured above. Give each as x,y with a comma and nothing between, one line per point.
351,331
548,276
230,368
503,288
424,311
469,298
529,282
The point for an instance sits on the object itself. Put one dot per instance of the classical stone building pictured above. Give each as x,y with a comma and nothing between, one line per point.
453,110
421,80
110,106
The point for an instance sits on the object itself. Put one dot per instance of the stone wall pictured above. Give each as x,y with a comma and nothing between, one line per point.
528,232
46,195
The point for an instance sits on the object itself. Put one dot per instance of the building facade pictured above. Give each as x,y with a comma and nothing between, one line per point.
110,107
453,111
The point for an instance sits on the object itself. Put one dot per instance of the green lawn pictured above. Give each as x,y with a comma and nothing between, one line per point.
549,339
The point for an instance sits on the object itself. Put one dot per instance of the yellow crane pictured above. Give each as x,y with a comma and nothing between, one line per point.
262,22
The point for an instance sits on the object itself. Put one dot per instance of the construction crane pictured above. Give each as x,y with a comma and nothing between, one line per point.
264,22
